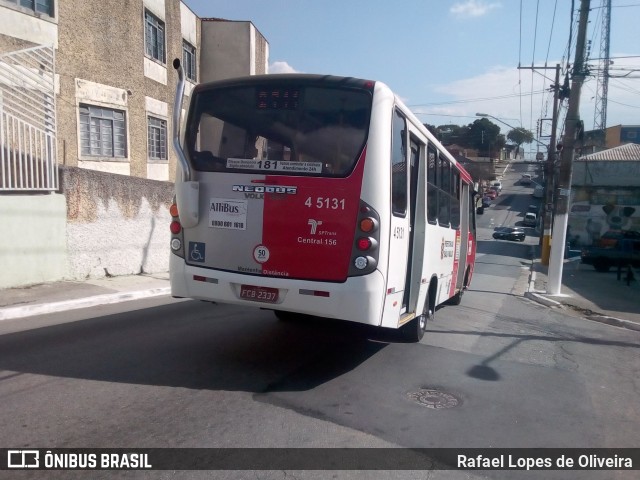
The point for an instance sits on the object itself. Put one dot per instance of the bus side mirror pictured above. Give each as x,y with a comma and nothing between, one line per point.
187,198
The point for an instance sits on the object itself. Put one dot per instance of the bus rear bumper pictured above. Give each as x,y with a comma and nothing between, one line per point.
359,299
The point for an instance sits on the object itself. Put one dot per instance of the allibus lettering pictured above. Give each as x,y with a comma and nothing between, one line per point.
224,207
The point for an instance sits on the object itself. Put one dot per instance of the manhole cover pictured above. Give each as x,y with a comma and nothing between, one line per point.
434,398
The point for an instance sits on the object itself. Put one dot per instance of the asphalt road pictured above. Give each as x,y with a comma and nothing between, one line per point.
168,373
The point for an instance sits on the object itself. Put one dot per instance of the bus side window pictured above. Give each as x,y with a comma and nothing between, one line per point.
455,199
399,166
444,200
432,192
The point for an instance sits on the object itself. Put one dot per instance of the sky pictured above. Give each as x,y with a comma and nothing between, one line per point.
451,59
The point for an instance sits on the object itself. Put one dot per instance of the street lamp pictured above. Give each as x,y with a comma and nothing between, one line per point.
510,126
549,177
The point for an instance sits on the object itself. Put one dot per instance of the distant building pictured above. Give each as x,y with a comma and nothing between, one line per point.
605,192
593,141
457,150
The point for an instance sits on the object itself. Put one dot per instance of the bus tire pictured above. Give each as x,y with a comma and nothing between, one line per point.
414,330
457,298
286,316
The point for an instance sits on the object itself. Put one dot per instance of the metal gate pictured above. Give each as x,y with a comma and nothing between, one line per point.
28,121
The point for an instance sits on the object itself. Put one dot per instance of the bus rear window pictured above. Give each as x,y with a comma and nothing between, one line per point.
288,130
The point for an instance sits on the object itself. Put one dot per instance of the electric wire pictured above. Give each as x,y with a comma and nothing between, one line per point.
533,59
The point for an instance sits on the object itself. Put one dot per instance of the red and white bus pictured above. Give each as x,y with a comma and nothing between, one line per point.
318,195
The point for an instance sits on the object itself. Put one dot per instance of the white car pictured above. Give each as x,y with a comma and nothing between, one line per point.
530,219
497,185
526,179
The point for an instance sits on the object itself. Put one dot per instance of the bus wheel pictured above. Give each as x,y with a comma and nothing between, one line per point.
457,298
286,316
414,330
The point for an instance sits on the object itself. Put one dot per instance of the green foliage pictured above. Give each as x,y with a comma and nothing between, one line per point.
519,136
484,136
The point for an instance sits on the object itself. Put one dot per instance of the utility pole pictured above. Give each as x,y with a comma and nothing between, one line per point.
572,123
549,167
550,180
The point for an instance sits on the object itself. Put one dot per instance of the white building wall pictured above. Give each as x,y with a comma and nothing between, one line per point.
33,245
188,24
27,27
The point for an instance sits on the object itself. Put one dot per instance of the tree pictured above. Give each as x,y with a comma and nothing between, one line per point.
484,136
450,134
519,136
433,129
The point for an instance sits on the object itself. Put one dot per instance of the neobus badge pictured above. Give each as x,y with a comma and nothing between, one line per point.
266,189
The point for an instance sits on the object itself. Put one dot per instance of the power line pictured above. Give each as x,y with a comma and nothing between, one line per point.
472,100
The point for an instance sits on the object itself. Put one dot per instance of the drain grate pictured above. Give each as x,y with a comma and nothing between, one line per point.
435,399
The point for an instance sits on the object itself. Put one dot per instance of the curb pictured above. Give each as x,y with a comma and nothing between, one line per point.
536,297
616,322
109,298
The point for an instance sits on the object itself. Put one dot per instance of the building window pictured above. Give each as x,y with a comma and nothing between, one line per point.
39,6
154,37
157,138
102,132
189,60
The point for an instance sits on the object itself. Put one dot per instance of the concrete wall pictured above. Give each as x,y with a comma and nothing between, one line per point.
33,244
101,224
117,225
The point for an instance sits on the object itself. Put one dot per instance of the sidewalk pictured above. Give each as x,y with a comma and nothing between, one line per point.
62,296
594,295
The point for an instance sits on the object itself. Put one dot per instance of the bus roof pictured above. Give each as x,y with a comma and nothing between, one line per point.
280,78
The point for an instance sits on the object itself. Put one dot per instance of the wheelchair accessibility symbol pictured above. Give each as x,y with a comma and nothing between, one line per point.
196,251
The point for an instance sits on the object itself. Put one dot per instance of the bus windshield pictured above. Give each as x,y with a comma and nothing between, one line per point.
278,128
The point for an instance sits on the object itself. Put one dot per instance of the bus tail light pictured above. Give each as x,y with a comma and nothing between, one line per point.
364,255
177,241
368,224
175,227
364,244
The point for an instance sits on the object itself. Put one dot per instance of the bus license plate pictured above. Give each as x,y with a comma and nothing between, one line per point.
259,294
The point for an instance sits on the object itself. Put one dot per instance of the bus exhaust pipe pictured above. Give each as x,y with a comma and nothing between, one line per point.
187,191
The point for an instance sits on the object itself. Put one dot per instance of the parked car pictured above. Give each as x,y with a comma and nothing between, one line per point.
510,233
486,201
526,179
530,219
625,252
533,208
497,185
611,238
